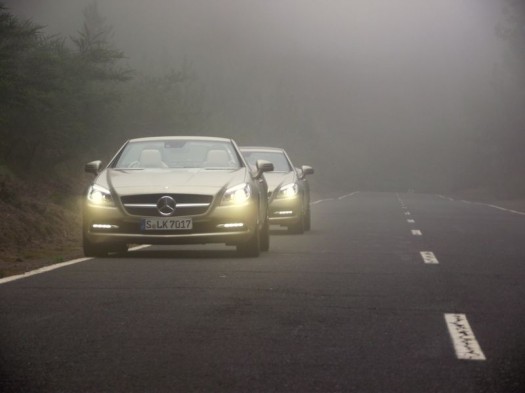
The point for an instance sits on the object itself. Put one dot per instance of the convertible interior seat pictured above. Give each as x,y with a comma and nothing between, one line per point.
217,158
151,158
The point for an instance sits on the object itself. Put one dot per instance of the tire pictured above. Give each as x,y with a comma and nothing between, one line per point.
307,220
251,248
94,250
103,249
298,227
265,237
119,248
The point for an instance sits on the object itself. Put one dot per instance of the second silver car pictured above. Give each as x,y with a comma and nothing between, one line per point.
288,188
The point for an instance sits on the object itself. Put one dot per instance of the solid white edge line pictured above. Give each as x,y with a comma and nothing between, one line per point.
486,204
447,198
139,247
42,270
56,266
333,199
463,339
321,200
347,195
506,210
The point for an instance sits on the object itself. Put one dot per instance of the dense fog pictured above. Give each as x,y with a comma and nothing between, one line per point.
381,95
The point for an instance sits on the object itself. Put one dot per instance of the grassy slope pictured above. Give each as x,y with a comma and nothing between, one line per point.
39,225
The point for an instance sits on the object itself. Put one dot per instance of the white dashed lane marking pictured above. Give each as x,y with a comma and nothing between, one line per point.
429,257
464,342
463,339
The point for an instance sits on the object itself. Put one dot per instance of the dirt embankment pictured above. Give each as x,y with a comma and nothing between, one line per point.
40,224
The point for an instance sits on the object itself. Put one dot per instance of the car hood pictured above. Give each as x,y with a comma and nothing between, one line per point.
277,179
179,180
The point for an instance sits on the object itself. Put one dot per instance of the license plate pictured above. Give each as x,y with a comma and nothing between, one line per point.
166,224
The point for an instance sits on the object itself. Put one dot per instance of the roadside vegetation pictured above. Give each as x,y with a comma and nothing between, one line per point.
65,101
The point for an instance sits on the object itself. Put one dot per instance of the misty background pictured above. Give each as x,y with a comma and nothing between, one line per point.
376,95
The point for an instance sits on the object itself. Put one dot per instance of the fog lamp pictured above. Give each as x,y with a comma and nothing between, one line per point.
231,225
104,226
284,212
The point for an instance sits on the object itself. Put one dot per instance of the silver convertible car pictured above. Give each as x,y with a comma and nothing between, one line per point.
176,190
288,189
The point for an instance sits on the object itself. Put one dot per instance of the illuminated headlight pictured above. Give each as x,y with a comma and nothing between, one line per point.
237,195
288,191
99,195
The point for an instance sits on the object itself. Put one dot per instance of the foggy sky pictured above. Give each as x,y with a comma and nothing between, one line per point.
356,80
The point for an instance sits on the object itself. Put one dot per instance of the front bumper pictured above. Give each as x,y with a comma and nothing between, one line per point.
221,225
285,211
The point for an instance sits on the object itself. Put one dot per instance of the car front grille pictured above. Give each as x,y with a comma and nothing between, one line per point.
186,204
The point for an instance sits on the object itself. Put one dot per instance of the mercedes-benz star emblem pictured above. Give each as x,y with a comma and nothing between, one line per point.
166,206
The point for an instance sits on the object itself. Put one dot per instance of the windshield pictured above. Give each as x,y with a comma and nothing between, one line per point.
178,154
277,158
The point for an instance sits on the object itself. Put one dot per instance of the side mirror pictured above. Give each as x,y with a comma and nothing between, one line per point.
263,166
93,167
306,170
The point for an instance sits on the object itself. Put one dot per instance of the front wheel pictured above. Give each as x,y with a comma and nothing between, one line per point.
298,227
307,220
251,248
94,250
265,236
102,250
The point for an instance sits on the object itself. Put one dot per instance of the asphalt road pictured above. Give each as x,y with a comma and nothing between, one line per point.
351,306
